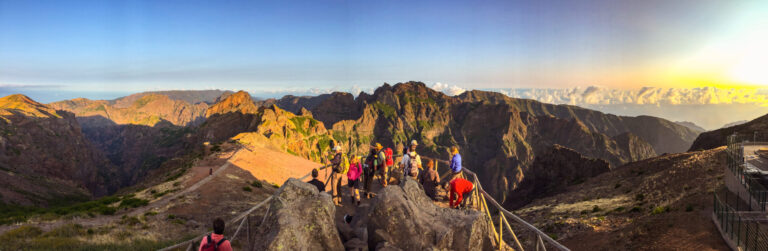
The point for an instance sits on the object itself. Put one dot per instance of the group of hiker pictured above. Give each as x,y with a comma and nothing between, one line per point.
360,173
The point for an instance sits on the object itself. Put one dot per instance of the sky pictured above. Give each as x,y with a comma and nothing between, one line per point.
108,48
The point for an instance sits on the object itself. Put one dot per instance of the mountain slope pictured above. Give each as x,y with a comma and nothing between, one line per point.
755,129
137,109
44,156
662,203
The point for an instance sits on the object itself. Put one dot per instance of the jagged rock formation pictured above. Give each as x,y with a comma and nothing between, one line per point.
716,138
403,217
45,157
300,218
236,117
239,102
553,171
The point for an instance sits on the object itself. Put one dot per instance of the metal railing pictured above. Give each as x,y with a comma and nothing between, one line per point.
744,232
736,165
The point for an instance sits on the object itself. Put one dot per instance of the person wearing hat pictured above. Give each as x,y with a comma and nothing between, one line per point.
336,175
353,178
411,161
380,163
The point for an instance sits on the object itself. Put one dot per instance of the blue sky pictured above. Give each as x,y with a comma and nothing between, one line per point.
129,46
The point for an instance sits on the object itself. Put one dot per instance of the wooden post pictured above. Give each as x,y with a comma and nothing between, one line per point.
514,236
501,232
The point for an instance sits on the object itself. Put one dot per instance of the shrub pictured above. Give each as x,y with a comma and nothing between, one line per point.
247,189
150,213
689,208
256,184
596,209
275,185
617,185
619,209
659,210
133,202
106,210
639,197
636,209
171,217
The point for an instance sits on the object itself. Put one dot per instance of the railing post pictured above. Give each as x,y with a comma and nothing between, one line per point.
501,231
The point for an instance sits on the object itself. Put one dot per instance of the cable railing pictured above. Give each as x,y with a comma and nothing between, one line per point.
743,231
480,198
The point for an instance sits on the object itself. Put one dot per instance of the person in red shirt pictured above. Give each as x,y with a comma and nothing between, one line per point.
216,239
460,187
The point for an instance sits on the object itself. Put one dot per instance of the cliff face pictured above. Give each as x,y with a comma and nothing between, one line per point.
716,138
499,137
44,155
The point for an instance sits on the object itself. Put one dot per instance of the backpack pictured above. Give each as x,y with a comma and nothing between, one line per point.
369,161
413,166
344,164
210,246
388,153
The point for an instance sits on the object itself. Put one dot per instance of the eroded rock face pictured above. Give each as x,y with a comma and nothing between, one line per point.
300,218
403,217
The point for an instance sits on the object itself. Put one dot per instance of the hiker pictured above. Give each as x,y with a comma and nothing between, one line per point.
460,187
430,179
456,171
411,162
319,184
336,174
380,164
353,178
216,241
368,171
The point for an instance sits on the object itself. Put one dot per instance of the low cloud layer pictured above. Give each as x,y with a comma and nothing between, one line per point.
644,96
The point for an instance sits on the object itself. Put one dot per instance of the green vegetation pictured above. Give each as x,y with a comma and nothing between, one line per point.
131,221
639,197
133,203
618,209
596,209
689,208
386,110
660,210
17,213
256,184
247,189
636,209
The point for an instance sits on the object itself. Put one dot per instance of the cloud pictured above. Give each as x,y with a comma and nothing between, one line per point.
594,95
451,90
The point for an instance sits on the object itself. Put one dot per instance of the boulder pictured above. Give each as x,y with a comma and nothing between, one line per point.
300,218
403,217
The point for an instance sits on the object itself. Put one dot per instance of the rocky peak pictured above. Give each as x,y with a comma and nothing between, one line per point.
24,105
238,102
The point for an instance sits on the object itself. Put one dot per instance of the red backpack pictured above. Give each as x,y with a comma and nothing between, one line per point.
388,153
210,246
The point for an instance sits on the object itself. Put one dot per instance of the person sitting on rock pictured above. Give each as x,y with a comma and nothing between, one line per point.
460,187
430,179
216,240
336,175
353,178
319,184
411,162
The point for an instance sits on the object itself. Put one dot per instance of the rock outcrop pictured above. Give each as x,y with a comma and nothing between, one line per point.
755,129
300,218
404,218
